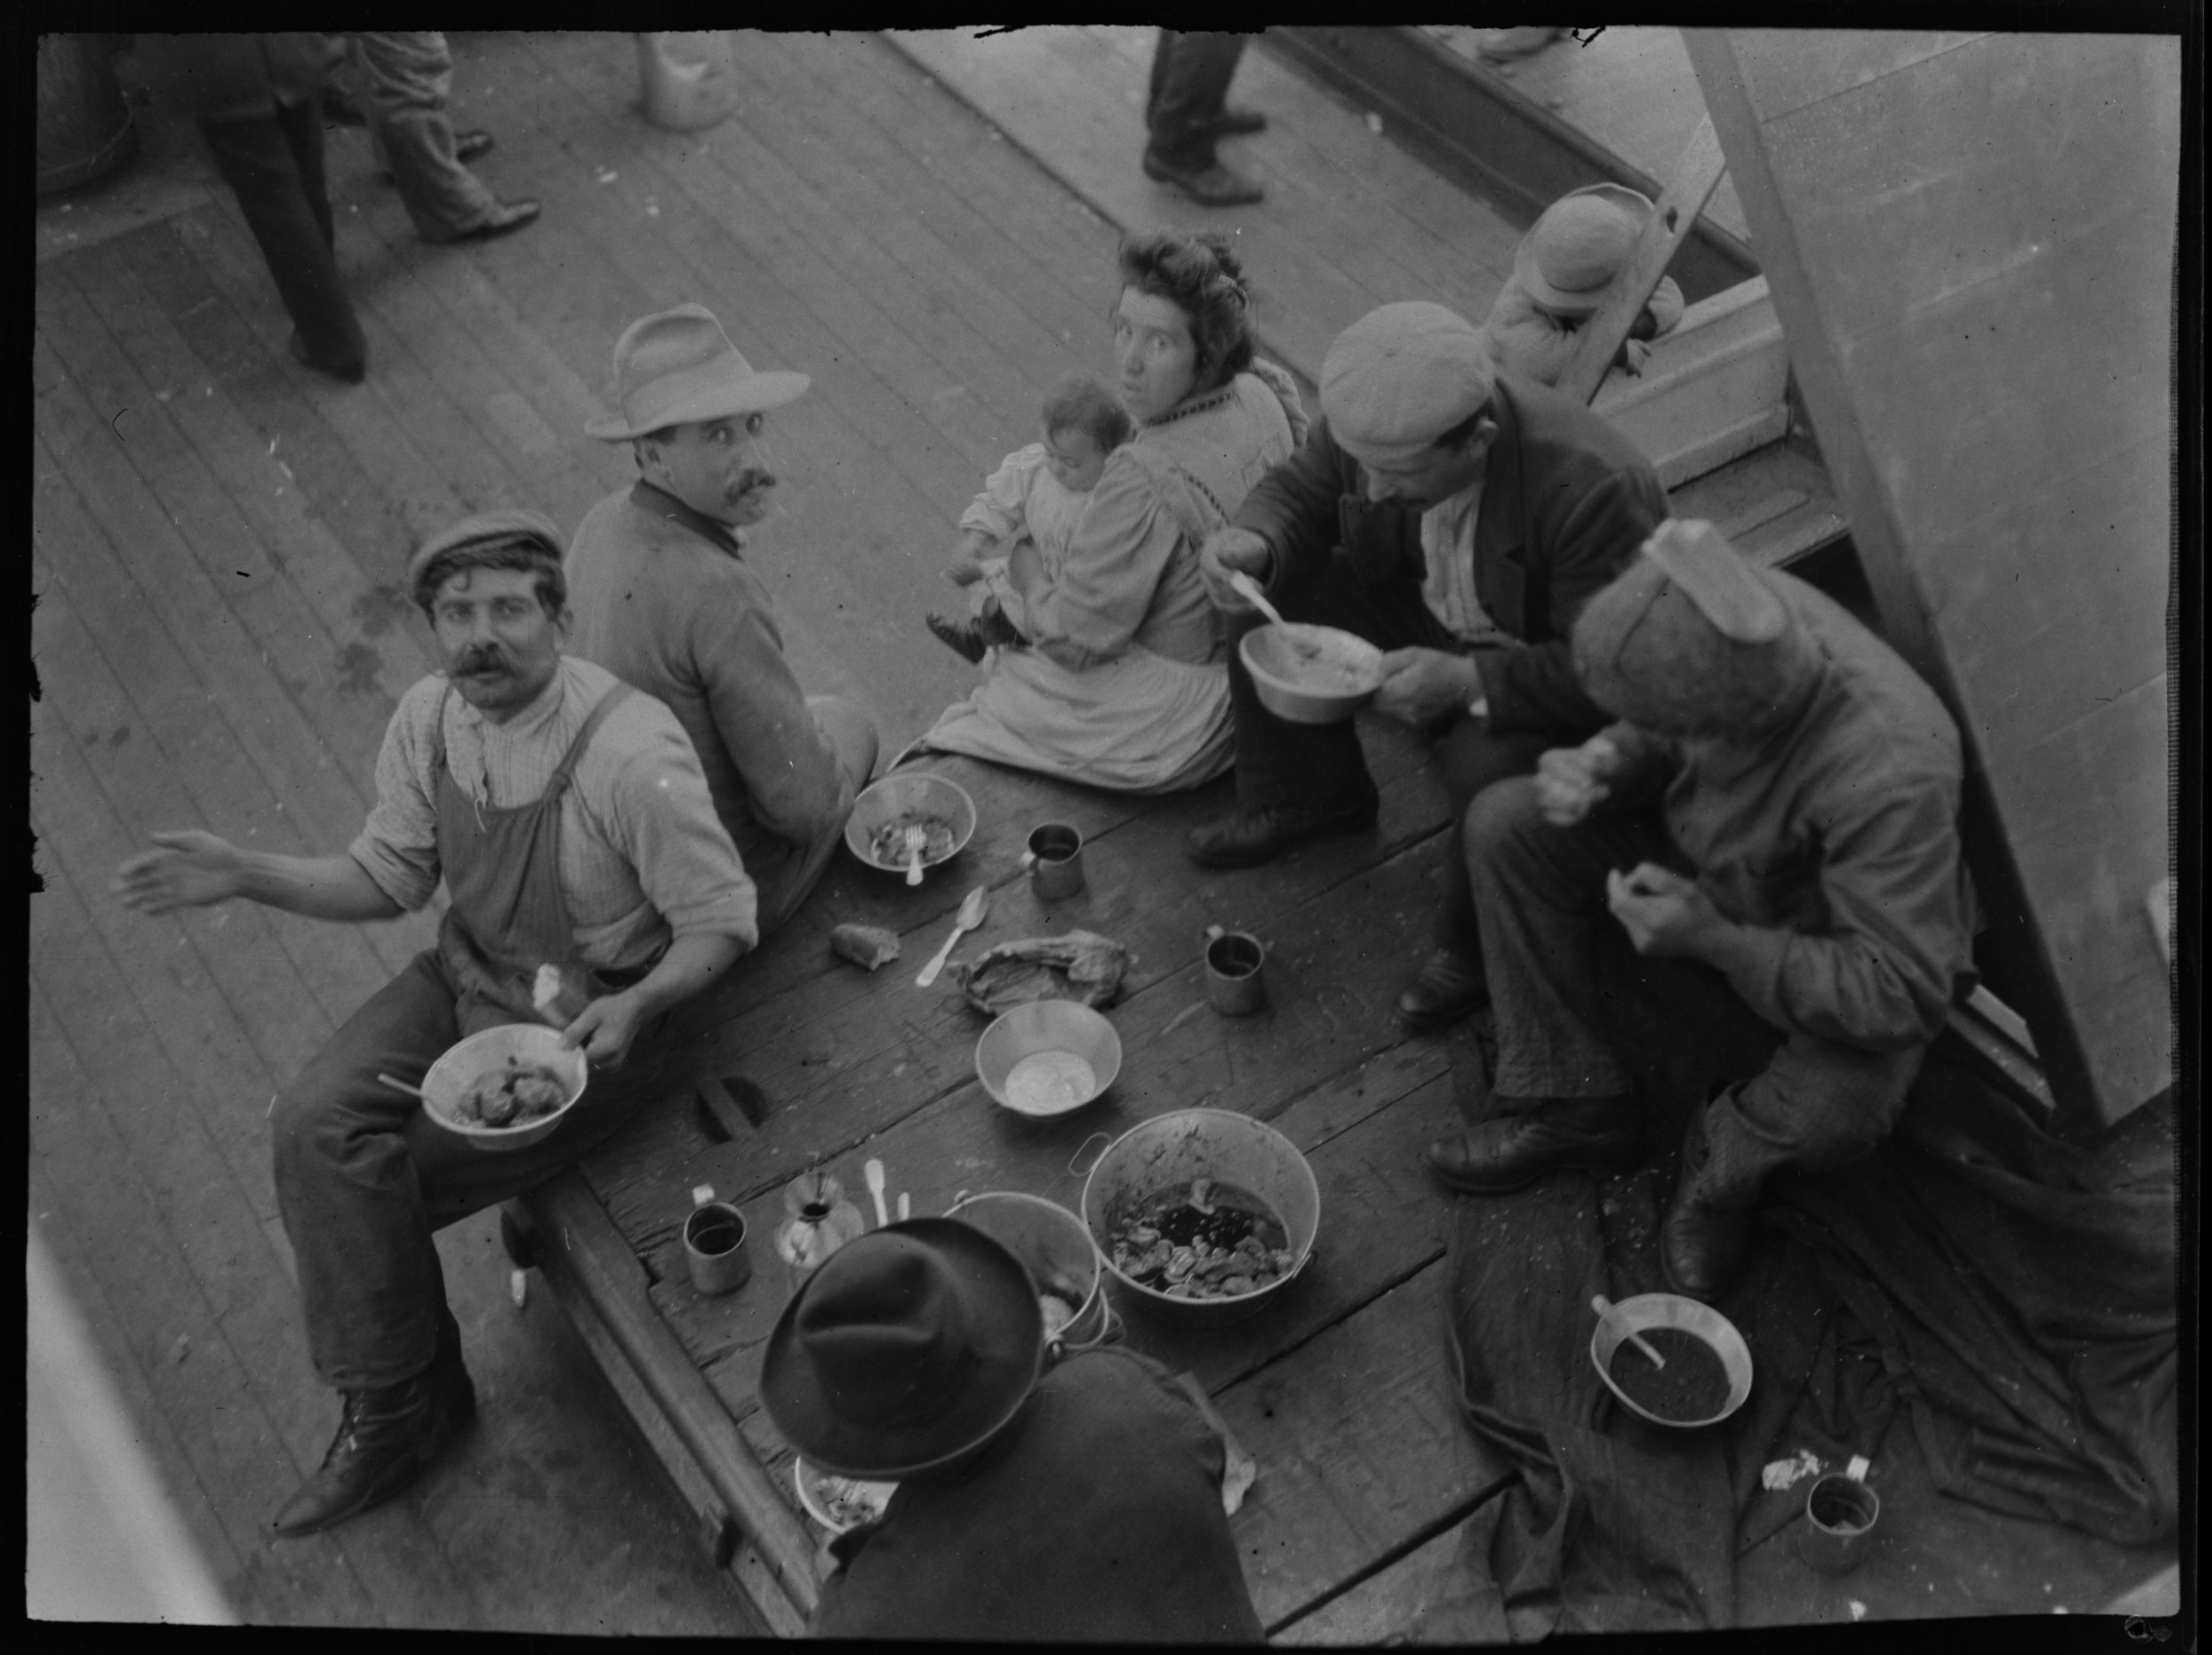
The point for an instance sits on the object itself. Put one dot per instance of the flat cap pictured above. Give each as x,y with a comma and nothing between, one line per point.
1401,377
486,528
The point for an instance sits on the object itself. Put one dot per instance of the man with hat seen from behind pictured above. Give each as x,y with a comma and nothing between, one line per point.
567,817
1081,1505
1772,825
665,600
1459,518
1560,273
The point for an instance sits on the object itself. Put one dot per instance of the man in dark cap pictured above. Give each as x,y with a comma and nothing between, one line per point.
1084,1504
665,600
587,876
1459,518
1776,816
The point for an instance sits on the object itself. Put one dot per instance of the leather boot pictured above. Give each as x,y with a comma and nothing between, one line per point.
1708,1231
388,1437
1448,987
1601,1135
1248,837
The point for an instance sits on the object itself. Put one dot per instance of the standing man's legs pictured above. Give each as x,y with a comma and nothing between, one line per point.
1185,115
407,78
274,166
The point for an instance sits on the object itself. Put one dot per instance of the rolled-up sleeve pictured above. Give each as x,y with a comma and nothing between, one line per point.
665,823
1002,508
1881,975
1114,565
397,846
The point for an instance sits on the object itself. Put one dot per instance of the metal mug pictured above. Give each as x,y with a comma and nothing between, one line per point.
1236,983
1841,1512
714,1244
1055,861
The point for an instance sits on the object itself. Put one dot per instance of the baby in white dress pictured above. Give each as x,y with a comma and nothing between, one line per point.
1037,494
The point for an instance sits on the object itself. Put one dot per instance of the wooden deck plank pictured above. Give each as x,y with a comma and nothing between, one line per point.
231,794
1359,1445
164,1312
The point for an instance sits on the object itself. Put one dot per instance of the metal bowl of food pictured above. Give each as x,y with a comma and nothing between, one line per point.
876,830
506,1086
1056,1247
1311,674
1048,1057
840,1503
1202,1216
1707,1372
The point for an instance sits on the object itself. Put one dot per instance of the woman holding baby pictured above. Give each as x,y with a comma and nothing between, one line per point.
1104,660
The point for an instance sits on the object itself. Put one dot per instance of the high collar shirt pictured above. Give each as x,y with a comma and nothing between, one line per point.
642,859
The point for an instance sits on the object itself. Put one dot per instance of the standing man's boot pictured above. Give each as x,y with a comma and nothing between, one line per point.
1708,1231
1600,1135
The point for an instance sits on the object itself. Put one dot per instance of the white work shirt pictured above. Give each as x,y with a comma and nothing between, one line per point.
1448,546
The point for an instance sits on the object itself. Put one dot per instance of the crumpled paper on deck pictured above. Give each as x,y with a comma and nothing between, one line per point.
1078,966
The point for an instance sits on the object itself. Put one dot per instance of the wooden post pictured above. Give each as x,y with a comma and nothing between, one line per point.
1969,241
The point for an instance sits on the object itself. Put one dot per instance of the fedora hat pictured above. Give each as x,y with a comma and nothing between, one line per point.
1571,253
910,1347
678,367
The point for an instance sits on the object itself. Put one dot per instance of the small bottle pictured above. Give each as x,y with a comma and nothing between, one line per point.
821,1220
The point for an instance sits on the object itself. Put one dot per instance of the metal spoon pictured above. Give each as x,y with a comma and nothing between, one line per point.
398,1085
873,1171
973,907
1604,1307
1249,591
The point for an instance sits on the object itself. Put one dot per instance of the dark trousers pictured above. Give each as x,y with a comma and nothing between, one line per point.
275,165
364,1178
1281,762
1191,71
1562,972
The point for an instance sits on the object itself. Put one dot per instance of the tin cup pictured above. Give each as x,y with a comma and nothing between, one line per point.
1055,861
714,1244
1839,1516
1236,981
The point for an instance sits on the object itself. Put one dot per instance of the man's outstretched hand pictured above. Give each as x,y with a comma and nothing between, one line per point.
191,870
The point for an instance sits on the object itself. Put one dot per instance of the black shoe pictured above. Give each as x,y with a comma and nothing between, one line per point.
1707,1232
352,372
1212,185
1246,838
468,145
387,1438
1601,1135
964,638
1448,987
507,218
1235,123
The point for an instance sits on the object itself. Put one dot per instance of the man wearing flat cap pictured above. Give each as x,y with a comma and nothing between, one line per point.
1459,519
1075,1502
665,600
590,887
1773,823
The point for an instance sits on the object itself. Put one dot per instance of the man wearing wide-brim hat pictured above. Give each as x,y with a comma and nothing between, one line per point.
1561,272
588,886
1459,518
1772,825
665,600
1080,1501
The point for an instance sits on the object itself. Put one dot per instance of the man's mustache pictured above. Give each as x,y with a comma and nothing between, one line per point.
482,658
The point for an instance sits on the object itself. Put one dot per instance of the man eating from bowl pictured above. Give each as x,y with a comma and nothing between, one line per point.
1083,1504
1459,519
567,816
665,600
1772,826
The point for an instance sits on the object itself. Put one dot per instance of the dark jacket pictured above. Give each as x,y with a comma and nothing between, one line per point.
232,77
1566,501
1096,1515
